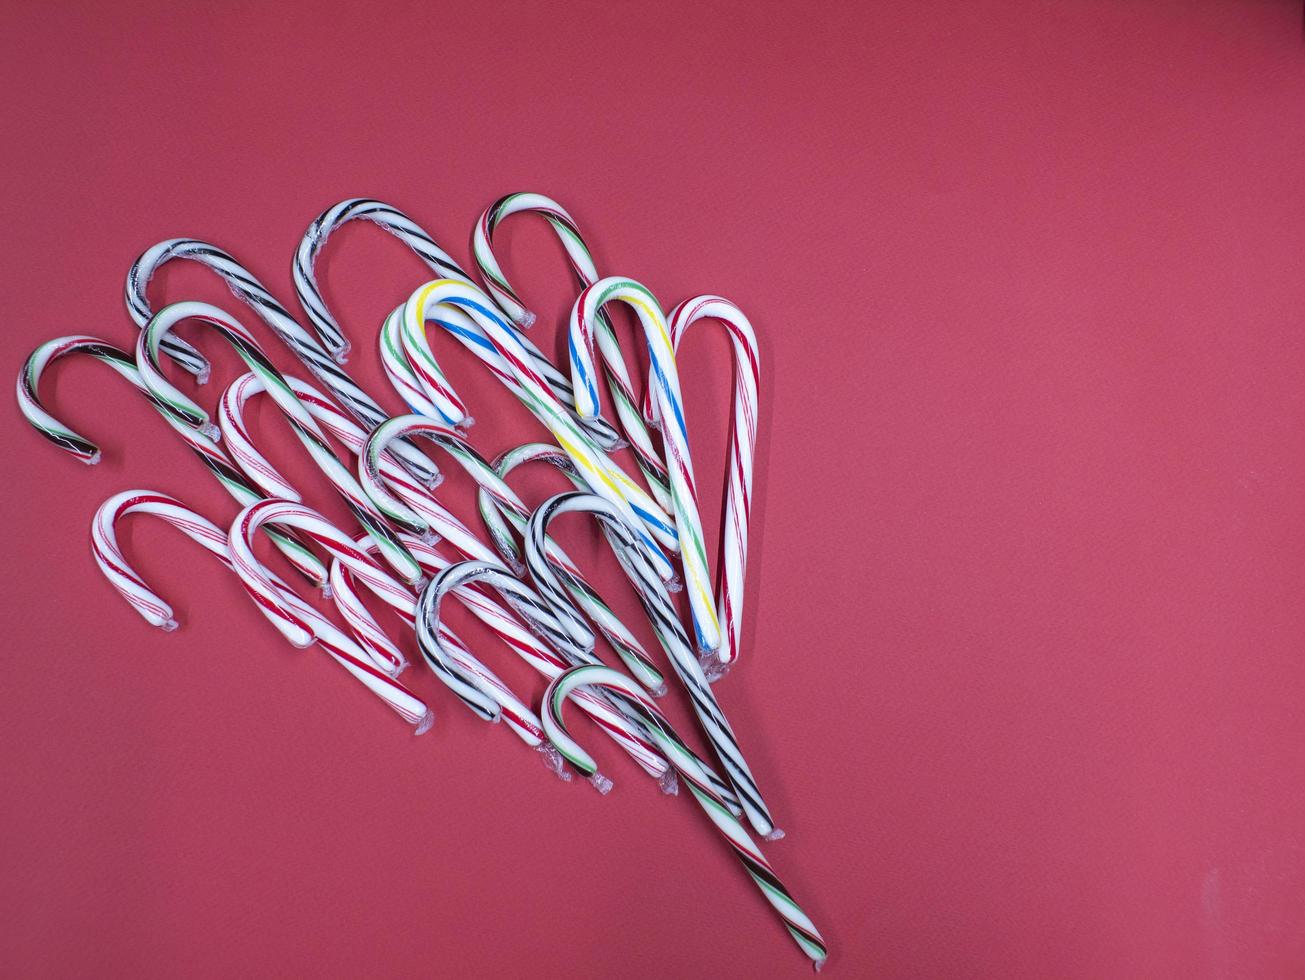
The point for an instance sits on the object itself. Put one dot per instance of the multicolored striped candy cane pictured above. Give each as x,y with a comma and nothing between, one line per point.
732,564
411,426
180,407
208,452
502,519
246,287
508,628
383,216
157,612
661,613
665,382
603,475
582,263
798,923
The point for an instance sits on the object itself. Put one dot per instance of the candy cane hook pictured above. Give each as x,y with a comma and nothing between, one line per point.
205,449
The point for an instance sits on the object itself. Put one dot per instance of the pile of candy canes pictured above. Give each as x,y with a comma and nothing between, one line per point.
521,584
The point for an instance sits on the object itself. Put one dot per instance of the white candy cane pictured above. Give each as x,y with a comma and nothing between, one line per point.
732,564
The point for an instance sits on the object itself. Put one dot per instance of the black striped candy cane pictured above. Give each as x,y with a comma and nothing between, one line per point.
796,921
200,443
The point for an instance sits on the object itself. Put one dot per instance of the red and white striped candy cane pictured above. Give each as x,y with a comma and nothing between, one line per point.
731,565
157,612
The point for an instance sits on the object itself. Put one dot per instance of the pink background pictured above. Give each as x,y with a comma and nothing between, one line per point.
1025,675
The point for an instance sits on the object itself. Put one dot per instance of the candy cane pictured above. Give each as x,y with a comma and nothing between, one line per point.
157,612
502,519
246,287
661,612
301,421
582,263
508,628
383,216
205,449
665,382
603,475
732,564
798,923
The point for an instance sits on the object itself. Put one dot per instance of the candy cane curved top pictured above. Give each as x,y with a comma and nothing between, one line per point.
582,264
603,475
665,382
670,634
246,287
383,216
104,544
201,444
301,420
482,701
732,563
798,923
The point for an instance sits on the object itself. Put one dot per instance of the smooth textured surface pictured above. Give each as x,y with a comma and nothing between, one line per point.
1025,676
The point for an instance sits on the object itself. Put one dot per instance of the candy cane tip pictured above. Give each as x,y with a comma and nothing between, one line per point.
552,760
818,965
525,320
203,374
93,459
212,431
423,726
712,668
169,625
657,691
601,783
466,423
327,592
775,834
341,354
668,783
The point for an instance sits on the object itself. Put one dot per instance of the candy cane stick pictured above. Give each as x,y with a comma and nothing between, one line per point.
661,612
502,519
508,627
383,216
157,612
603,475
582,263
246,286
665,383
205,449
798,923
181,407
732,564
